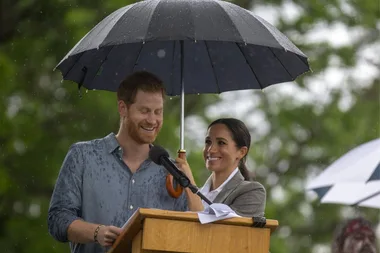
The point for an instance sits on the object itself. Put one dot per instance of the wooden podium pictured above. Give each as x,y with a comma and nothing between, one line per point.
160,231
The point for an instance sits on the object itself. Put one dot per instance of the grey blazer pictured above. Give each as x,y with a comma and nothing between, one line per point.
246,198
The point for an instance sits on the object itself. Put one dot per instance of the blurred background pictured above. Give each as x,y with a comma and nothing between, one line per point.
297,128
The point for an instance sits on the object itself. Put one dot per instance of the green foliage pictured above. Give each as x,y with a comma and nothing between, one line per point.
40,117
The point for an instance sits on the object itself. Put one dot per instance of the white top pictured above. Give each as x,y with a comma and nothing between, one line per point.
211,195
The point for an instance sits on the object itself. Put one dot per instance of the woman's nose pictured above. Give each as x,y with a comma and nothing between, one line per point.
211,148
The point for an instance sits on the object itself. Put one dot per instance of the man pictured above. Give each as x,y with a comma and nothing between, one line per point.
355,236
102,182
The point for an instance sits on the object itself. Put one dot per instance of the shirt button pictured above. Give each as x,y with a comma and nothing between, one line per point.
131,207
133,181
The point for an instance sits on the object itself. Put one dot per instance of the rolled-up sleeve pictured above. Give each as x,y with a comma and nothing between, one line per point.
65,203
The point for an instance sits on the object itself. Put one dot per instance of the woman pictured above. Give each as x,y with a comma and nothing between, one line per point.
226,146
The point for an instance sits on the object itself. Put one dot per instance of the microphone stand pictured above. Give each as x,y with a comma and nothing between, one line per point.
182,179
195,190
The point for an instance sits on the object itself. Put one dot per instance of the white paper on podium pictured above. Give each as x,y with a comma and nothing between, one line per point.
215,212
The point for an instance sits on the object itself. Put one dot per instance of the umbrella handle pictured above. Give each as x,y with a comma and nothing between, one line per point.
175,193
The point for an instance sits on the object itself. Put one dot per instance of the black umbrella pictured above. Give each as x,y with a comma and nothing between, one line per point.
211,46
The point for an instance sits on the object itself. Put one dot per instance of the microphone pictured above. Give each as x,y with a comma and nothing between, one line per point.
161,157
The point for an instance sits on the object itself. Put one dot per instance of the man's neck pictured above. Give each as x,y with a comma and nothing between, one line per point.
132,151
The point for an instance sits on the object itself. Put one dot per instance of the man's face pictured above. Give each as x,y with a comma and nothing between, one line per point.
362,241
143,118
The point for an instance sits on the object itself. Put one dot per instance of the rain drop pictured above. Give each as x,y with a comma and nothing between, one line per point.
61,80
170,98
161,53
86,91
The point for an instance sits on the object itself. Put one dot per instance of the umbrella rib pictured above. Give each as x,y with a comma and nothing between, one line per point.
253,71
367,198
302,60
291,77
72,66
138,56
212,66
101,64
150,20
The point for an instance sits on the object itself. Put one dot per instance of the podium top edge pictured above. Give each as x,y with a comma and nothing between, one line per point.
192,216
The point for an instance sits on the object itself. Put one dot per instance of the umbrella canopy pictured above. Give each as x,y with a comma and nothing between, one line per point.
353,179
355,194
213,46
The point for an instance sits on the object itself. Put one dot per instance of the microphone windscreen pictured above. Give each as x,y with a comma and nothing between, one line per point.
156,152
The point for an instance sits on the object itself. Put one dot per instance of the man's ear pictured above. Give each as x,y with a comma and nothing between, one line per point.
122,108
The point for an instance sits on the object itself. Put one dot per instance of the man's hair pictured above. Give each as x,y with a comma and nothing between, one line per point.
347,228
139,80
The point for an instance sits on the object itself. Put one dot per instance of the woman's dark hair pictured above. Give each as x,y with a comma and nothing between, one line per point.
240,134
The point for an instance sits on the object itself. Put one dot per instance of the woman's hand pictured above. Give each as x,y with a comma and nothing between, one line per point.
184,167
194,201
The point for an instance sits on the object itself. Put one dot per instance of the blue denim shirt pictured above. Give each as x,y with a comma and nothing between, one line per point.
94,184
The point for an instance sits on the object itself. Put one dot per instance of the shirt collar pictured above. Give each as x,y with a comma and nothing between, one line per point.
111,143
207,186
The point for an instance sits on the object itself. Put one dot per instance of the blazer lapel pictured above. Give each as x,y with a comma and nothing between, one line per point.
229,187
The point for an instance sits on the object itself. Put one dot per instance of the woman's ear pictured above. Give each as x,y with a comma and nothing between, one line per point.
243,152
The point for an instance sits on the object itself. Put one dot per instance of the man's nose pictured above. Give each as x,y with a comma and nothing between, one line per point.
151,118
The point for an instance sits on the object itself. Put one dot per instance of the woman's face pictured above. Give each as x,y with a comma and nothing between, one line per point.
220,151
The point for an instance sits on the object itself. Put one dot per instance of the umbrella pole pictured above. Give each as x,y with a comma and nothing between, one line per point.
175,193
182,129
